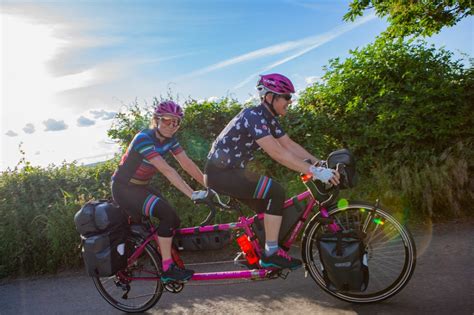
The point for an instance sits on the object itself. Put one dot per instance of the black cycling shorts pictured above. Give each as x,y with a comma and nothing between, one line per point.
261,193
145,201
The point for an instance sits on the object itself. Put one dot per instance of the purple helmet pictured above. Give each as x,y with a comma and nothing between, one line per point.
275,83
169,108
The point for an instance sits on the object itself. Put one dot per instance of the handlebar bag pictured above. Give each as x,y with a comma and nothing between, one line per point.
344,156
344,261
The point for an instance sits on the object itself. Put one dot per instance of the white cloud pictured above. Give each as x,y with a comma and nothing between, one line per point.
11,133
259,53
29,128
54,125
105,115
309,43
85,122
312,79
252,100
314,42
213,99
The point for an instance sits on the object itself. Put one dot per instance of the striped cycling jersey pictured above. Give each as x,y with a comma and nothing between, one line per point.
135,166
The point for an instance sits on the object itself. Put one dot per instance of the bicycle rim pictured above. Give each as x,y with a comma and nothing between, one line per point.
390,249
142,294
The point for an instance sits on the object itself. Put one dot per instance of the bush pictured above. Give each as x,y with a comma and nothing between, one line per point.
37,206
394,101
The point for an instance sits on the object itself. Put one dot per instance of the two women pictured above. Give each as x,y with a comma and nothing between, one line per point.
252,129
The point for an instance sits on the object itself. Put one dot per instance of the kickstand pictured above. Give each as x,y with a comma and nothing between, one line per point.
126,288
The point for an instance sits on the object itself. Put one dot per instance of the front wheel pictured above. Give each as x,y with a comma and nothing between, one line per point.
390,250
129,295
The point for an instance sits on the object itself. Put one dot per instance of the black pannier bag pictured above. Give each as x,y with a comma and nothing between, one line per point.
98,216
104,230
202,240
106,253
344,261
345,157
291,215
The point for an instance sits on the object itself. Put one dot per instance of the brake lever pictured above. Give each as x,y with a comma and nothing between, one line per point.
220,203
341,169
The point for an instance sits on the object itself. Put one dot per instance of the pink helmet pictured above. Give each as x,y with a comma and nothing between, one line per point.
275,83
169,108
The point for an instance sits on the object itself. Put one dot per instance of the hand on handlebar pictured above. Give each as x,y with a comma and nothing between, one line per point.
200,196
325,175
208,196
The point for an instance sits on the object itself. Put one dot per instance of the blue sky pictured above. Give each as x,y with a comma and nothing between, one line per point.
68,66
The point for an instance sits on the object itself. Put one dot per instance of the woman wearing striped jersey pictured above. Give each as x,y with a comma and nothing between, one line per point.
142,160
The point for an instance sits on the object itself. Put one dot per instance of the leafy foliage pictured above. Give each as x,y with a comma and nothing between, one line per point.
394,101
128,123
37,206
413,17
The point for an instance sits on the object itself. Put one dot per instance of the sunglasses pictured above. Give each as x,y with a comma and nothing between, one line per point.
285,96
170,121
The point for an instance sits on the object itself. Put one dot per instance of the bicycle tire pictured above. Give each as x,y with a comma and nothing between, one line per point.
389,261
111,288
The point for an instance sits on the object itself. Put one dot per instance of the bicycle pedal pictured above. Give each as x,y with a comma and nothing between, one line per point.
174,282
174,287
283,275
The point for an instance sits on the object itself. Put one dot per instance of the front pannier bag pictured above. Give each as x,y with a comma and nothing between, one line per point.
344,261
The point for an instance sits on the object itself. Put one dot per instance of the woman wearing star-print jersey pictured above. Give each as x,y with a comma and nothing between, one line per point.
253,129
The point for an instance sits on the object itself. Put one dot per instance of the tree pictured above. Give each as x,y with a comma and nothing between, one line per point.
413,17
393,98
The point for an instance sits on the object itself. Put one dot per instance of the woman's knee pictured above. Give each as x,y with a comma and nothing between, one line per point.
169,220
276,199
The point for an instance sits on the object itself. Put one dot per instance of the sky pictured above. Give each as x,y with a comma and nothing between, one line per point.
69,66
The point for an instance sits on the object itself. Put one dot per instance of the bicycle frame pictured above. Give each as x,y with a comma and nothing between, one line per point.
244,224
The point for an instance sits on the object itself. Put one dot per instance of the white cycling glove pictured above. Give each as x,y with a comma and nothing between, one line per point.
321,173
201,194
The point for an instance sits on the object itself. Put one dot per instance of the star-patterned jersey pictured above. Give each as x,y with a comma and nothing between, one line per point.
235,145
135,166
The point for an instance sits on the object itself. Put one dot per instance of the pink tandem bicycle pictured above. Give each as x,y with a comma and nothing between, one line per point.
389,247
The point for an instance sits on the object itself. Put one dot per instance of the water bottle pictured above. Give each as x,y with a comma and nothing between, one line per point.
247,248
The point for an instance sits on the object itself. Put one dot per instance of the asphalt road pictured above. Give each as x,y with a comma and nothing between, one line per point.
443,283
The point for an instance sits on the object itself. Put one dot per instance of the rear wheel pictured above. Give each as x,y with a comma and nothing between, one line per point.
134,296
390,250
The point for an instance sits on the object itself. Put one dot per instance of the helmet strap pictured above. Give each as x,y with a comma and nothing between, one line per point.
270,105
161,135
